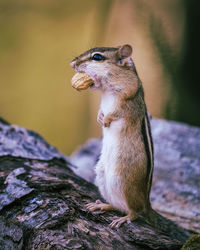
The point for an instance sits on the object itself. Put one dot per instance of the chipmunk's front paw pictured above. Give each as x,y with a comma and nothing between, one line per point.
107,121
98,205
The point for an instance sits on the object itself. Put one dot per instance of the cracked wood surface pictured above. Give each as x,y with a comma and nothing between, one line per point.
42,206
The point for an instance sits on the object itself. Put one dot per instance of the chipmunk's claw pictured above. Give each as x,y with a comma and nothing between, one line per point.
100,118
98,205
118,221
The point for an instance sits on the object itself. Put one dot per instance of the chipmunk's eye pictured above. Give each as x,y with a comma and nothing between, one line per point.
98,57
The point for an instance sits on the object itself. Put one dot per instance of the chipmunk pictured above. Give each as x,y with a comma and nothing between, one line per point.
124,170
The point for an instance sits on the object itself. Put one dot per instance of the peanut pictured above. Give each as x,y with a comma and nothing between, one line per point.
81,81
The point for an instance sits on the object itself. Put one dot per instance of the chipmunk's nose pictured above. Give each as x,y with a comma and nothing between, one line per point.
73,63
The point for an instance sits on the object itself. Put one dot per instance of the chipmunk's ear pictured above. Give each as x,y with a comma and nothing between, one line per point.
124,51
123,56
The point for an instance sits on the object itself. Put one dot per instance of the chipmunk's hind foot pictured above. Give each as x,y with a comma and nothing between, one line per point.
118,221
98,205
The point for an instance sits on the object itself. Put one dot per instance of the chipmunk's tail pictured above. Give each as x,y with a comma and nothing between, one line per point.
153,218
165,225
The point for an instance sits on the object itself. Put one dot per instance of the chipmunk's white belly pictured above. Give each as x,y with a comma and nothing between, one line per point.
107,180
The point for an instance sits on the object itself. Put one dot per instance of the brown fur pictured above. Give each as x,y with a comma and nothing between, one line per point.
135,159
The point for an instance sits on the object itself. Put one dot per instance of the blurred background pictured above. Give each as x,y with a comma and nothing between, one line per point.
38,39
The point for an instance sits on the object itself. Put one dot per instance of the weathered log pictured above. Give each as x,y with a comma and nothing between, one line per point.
42,203
176,181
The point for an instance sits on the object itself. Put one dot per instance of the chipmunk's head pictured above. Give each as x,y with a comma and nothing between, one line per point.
100,63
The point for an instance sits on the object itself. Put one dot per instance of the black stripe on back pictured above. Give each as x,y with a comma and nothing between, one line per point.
150,161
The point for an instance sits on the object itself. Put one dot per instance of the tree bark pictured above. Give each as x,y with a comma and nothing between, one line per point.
42,203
